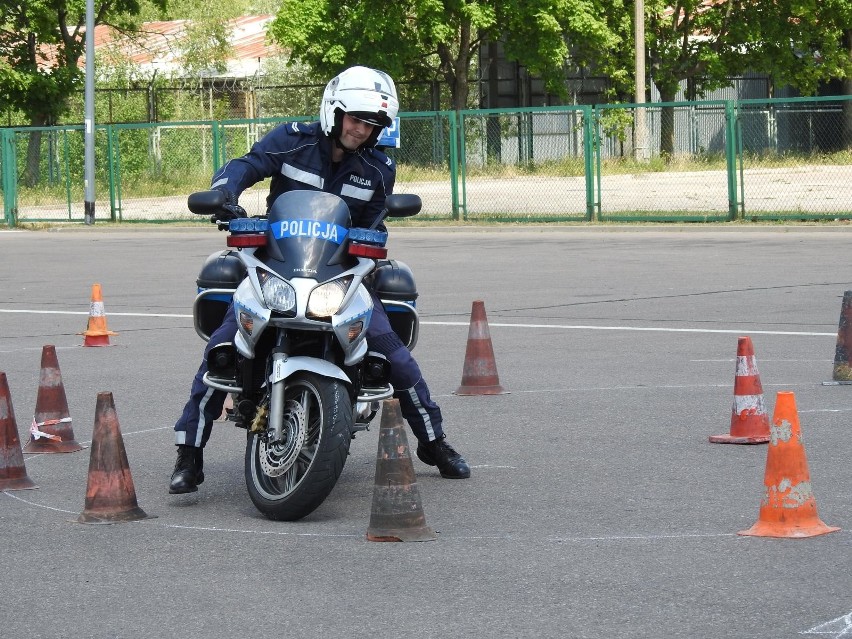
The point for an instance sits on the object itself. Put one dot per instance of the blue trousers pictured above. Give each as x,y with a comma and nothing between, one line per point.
422,414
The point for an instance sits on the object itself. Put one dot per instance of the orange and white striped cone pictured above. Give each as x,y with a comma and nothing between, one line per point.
479,374
97,333
749,421
788,508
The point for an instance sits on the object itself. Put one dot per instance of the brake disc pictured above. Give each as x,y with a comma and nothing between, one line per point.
278,457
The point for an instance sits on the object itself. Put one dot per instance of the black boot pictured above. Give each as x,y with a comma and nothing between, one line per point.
188,470
439,453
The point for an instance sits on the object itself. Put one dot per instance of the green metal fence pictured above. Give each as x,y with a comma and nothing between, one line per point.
697,161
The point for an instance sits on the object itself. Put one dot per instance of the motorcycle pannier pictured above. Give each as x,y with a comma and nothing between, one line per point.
219,277
394,283
393,280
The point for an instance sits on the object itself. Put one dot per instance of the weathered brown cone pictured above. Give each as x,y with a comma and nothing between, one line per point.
51,430
13,472
842,367
110,494
479,375
397,513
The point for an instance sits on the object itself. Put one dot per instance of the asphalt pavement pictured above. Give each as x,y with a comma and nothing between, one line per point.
597,507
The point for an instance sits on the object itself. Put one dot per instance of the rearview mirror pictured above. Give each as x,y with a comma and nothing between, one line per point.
403,204
206,202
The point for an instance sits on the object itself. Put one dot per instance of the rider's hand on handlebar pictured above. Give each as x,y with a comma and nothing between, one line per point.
230,209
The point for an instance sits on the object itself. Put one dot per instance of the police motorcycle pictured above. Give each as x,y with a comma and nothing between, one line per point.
302,379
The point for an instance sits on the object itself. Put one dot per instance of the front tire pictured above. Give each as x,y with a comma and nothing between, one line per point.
290,479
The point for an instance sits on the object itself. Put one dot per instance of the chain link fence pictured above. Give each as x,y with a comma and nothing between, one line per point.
686,161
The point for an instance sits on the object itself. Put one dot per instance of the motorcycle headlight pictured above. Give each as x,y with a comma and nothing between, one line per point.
278,294
326,299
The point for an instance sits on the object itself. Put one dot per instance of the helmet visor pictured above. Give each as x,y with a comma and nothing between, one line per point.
376,119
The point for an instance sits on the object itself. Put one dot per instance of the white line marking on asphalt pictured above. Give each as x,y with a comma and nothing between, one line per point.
35,312
33,456
549,539
495,324
826,410
31,503
261,532
837,628
361,535
661,329
39,348
148,430
494,466
585,389
731,360
642,537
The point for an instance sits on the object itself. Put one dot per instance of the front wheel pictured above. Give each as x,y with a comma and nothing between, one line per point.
289,479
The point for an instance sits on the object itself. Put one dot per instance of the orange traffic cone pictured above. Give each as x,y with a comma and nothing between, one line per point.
788,508
397,513
842,368
13,472
479,376
97,333
51,430
749,421
110,494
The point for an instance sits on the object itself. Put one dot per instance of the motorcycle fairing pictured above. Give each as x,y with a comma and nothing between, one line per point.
284,367
247,300
359,308
307,230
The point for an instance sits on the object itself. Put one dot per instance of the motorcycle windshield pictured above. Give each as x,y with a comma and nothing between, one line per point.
307,234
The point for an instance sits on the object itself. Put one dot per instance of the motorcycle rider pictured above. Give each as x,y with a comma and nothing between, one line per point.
336,155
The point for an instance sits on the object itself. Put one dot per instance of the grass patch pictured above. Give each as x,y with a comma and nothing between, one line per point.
575,167
183,182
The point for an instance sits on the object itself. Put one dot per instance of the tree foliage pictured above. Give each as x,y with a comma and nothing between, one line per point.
41,42
206,45
708,42
548,36
802,44
439,40
797,42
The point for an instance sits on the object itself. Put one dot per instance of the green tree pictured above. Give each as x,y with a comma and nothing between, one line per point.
811,44
797,42
41,43
426,40
205,46
847,90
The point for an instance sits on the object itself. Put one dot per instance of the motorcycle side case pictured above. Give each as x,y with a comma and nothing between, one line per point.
220,275
394,284
393,280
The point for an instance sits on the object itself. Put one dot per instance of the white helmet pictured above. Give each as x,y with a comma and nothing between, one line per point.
363,93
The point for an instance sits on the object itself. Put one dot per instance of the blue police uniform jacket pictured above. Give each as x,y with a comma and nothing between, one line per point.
298,156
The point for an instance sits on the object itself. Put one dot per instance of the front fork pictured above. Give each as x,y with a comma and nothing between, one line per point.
249,407
372,386
276,400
